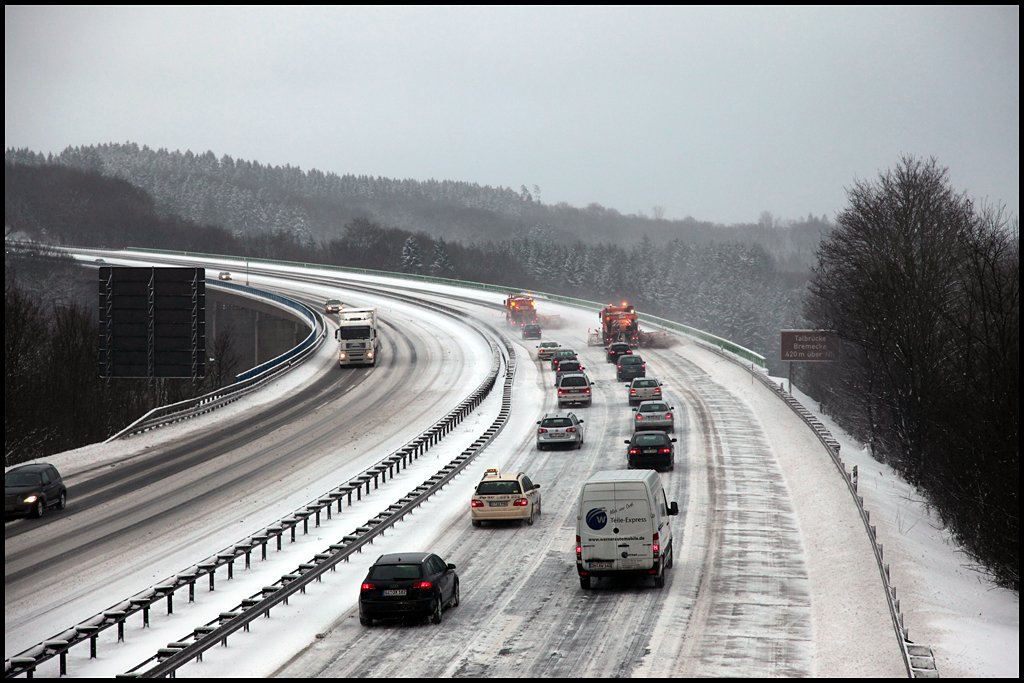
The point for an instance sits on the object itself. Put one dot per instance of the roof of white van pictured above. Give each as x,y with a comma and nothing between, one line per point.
623,475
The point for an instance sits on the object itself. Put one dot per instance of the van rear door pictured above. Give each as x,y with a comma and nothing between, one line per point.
616,528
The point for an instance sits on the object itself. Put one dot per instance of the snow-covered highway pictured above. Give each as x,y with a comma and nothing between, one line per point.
774,574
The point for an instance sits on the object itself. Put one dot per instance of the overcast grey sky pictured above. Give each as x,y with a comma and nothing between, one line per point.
718,114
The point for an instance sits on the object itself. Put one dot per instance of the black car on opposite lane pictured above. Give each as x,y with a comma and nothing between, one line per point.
31,489
402,585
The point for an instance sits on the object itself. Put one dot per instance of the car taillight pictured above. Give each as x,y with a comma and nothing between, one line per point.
643,366
632,392
477,504
561,391
668,416
634,451
657,390
587,390
664,450
520,502
542,431
423,585
367,587
571,430
639,417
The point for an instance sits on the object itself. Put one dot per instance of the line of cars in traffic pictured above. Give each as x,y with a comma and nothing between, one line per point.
651,445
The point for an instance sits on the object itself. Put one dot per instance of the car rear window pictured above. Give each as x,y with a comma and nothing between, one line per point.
576,381
654,408
486,488
644,383
569,365
556,422
630,360
650,439
391,572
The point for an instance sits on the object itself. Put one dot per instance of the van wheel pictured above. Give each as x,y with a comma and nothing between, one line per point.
659,580
585,582
671,557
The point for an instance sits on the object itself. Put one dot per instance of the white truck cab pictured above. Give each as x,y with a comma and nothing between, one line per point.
622,526
357,337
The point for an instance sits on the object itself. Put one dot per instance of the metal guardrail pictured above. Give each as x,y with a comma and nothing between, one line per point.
209,635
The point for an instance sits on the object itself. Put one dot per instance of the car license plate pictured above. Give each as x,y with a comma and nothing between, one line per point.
558,436
497,503
394,592
600,564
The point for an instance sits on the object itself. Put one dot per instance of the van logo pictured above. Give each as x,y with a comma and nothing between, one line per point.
597,518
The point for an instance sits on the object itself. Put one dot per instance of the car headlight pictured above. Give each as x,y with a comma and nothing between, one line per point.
31,499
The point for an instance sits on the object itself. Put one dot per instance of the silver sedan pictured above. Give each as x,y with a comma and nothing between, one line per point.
654,415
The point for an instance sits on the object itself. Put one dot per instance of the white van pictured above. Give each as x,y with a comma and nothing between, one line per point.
622,526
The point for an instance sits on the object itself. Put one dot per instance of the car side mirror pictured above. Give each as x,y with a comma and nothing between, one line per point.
452,566
582,421
673,508
626,442
674,440
538,421
635,409
536,486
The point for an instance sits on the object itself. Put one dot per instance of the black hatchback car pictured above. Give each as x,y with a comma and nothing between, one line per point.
651,450
31,489
403,585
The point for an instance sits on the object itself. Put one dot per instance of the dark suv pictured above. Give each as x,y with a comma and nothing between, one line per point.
531,331
401,585
618,349
30,489
630,366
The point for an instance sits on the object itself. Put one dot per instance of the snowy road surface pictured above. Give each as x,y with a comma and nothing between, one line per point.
773,574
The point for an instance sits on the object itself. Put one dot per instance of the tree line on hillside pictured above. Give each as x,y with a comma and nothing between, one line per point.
731,289
247,197
923,290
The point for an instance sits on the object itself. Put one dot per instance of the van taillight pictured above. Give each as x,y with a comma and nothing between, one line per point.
579,548
655,546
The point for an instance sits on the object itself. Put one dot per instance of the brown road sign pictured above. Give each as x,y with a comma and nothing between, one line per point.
810,345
